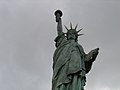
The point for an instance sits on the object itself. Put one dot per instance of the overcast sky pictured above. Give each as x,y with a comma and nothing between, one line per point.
27,32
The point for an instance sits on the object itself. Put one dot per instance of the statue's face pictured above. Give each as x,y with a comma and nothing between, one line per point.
71,35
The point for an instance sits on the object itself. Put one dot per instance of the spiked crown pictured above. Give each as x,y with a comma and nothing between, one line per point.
73,30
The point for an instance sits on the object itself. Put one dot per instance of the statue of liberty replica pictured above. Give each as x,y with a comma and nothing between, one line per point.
70,62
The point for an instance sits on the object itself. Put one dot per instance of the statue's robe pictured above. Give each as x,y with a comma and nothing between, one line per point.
69,67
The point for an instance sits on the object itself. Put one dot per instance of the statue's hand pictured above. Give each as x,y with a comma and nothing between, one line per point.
57,18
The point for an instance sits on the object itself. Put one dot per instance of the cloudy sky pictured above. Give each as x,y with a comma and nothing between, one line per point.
27,32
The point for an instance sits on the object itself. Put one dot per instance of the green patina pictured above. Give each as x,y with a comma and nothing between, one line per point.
70,63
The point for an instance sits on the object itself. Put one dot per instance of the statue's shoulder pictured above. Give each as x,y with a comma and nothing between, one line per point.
78,45
60,39
73,46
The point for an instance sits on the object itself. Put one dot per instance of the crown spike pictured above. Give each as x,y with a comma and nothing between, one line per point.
79,30
66,28
80,34
76,26
70,25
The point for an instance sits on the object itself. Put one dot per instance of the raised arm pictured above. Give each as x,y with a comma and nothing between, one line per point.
58,15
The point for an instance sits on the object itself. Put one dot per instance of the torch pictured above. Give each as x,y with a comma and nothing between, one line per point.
58,14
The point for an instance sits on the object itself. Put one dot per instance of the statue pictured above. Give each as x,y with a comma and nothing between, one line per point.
70,63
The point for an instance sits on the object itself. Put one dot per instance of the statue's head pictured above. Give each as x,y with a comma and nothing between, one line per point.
72,34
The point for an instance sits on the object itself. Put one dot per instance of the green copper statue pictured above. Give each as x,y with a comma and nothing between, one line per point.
70,63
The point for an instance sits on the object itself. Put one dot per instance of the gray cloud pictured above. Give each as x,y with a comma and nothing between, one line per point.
27,31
